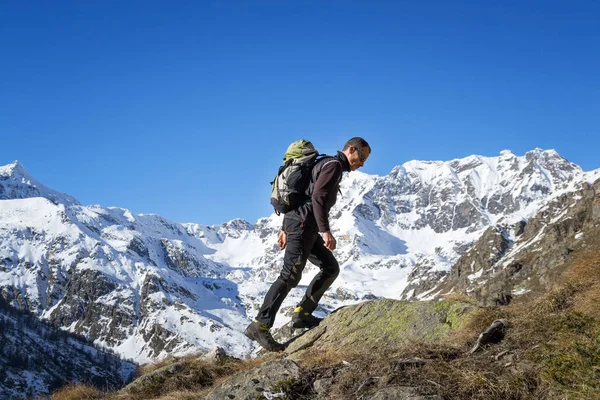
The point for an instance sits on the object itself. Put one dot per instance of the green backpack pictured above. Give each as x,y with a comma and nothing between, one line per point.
292,180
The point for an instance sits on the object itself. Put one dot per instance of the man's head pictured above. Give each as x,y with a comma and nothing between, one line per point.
357,150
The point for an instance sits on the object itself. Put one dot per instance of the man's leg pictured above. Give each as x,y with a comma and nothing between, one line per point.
299,246
297,251
323,258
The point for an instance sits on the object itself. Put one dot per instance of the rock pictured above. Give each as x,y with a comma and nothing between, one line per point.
320,386
493,334
215,355
367,382
377,323
476,262
148,382
269,378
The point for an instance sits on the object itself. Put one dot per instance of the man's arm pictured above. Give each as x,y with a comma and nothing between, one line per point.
325,188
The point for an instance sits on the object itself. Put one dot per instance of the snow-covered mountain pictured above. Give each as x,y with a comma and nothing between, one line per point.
147,287
16,183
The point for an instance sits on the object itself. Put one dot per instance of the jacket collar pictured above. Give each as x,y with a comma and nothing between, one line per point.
344,161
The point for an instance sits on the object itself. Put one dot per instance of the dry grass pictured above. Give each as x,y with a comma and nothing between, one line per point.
553,343
317,358
450,373
551,351
586,272
459,298
195,376
77,392
153,366
195,380
568,316
174,395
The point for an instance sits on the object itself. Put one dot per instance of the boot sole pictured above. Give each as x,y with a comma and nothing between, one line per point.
302,324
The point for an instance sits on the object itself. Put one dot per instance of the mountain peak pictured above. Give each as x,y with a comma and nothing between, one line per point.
507,153
537,152
16,171
17,183
238,224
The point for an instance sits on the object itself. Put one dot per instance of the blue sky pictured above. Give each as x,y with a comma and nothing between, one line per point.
185,108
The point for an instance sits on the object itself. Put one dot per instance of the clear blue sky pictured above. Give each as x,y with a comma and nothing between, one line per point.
184,108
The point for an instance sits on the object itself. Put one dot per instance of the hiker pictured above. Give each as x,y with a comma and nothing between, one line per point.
301,240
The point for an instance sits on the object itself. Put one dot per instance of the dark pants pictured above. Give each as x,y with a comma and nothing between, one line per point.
303,244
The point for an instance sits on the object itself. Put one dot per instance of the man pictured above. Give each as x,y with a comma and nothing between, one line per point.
301,240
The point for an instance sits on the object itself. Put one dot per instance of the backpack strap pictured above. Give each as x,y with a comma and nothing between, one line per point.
333,159
322,157
315,173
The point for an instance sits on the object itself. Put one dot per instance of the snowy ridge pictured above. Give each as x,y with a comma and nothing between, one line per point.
16,183
133,254
147,287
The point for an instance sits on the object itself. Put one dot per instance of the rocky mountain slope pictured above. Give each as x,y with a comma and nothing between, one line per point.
147,287
509,260
37,358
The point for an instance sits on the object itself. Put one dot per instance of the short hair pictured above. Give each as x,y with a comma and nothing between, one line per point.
357,142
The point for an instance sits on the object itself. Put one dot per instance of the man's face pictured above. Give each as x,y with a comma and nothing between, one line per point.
357,157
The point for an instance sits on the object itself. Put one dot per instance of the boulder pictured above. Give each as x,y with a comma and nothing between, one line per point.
265,381
380,323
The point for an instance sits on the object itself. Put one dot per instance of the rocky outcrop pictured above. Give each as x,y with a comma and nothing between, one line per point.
379,322
180,258
266,380
492,335
369,326
88,306
497,268
473,263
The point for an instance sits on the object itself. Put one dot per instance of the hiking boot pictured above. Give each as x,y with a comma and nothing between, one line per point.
260,333
302,319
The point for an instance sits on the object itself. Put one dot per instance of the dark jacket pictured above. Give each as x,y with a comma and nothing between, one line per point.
323,190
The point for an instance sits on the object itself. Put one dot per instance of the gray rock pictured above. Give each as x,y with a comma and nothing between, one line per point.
153,379
268,378
320,386
376,322
181,261
215,355
493,334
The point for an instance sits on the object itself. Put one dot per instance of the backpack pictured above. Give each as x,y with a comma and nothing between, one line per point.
292,180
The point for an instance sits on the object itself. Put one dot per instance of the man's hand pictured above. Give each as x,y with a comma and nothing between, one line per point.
282,240
330,242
